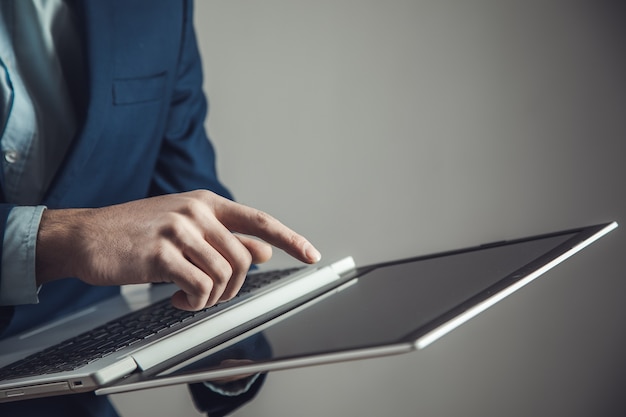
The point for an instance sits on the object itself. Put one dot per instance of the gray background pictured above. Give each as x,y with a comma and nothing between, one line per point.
385,129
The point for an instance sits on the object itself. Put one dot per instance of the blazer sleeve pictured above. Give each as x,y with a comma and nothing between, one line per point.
187,159
254,348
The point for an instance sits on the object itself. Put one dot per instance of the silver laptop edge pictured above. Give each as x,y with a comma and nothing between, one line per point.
340,356
447,327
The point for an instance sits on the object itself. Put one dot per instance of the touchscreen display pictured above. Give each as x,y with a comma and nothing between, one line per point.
386,304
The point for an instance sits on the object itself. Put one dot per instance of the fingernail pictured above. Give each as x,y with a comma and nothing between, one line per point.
311,253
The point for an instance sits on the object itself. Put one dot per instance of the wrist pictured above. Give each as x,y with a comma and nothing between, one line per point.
58,244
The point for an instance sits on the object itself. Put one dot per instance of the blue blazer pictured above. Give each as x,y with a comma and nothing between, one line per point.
138,92
142,131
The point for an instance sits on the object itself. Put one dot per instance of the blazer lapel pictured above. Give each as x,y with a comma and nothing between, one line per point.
97,24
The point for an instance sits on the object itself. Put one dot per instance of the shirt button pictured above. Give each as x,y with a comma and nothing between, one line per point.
11,156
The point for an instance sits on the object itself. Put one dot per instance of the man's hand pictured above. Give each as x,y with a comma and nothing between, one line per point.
187,239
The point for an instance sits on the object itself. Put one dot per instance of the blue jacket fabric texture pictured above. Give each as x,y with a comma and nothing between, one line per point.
139,96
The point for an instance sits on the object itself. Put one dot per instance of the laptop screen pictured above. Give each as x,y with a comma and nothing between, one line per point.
391,302
386,304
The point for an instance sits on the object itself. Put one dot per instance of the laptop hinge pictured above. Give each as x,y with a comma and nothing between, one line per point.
231,318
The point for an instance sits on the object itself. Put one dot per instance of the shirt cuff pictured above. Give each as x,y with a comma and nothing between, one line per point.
18,284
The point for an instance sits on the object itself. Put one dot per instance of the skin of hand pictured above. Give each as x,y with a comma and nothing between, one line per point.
197,240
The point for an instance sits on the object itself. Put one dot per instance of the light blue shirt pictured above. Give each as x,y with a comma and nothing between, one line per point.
38,123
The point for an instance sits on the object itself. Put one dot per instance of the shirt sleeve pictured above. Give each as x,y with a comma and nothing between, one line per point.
18,284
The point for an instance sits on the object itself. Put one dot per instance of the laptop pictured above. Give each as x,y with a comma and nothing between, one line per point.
312,315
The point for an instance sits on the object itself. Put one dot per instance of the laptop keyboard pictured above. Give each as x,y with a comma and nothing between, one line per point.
125,331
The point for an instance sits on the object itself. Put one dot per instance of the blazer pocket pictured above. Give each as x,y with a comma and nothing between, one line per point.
138,90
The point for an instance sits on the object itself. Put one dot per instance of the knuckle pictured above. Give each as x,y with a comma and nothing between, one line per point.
223,275
192,208
202,196
204,287
219,278
233,287
201,290
200,193
171,226
262,219
239,269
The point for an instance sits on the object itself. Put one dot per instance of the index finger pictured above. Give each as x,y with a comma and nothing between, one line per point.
250,221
